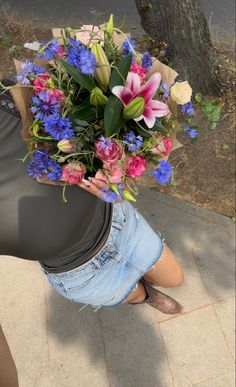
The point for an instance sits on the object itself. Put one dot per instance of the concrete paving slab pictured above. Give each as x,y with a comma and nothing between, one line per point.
225,311
215,255
227,380
196,348
126,318
22,315
78,368
195,233
138,359
70,329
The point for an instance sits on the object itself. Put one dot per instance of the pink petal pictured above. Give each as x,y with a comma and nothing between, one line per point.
123,93
160,109
149,117
133,82
148,90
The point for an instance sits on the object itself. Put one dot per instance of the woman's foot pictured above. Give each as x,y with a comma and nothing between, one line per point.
160,301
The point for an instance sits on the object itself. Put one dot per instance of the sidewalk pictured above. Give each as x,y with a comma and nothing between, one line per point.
55,345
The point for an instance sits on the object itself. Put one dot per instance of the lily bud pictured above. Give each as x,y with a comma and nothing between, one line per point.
127,195
97,97
134,109
109,26
103,71
66,146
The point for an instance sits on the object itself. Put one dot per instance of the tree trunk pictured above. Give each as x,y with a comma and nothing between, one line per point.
182,25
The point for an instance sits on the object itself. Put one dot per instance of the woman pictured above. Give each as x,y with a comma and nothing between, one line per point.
92,252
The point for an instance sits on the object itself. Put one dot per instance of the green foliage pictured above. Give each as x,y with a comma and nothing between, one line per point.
119,74
82,79
14,51
112,116
212,111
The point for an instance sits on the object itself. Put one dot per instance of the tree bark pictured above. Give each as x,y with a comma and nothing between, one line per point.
182,25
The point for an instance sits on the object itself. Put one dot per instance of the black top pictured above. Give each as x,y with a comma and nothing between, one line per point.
34,222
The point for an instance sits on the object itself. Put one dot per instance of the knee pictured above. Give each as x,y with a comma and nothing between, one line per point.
178,278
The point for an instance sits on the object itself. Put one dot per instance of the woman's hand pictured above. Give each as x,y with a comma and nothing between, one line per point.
94,186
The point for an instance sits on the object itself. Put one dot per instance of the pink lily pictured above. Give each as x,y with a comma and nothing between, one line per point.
133,89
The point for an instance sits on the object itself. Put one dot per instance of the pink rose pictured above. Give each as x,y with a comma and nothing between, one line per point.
73,172
138,69
109,151
163,148
136,166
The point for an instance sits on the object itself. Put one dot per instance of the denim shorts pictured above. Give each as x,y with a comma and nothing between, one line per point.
107,279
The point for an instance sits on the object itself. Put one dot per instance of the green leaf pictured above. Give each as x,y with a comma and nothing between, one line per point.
158,127
212,125
112,116
81,122
215,114
82,79
198,97
119,74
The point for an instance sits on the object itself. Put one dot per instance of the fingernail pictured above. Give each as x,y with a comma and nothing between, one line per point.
90,178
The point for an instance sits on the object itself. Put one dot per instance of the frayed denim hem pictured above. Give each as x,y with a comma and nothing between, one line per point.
132,287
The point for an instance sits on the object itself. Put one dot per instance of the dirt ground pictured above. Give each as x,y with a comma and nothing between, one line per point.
204,171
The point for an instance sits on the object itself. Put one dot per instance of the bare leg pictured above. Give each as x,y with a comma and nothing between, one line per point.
137,295
166,272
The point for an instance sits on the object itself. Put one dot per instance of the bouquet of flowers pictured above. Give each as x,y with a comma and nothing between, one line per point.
92,105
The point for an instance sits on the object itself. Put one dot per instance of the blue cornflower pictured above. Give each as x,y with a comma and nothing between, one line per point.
87,63
105,143
187,108
44,105
166,89
34,169
126,46
28,69
49,49
191,133
108,195
54,170
146,60
163,173
133,142
58,127
41,164
81,57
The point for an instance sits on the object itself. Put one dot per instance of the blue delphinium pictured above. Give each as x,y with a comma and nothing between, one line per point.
28,69
49,49
187,108
44,105
191,132
127,44
105,143
108,195
81,57
166,89
58,127
163,173
41,165
146,60
133,142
